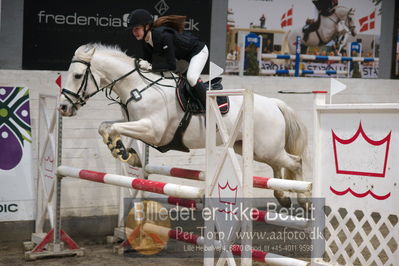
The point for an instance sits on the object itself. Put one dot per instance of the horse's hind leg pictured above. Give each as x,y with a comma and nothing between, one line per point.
292,165
295,173
279,194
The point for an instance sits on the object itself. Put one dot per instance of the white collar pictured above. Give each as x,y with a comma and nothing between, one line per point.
150,40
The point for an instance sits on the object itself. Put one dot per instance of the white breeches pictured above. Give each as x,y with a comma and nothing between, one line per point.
196,66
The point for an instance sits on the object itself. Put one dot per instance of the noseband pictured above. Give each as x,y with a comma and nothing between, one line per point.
80,97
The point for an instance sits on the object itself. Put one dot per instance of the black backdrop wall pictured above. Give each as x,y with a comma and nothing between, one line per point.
53,30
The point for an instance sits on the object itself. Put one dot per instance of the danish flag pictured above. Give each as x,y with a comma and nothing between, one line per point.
367,22
286,18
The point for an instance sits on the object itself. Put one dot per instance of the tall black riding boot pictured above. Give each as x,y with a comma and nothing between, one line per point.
200,91
306,32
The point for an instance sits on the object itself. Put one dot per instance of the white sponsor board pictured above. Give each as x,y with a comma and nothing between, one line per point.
367,71
16,182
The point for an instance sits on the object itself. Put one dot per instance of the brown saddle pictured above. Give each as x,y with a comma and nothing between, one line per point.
189,101
310,21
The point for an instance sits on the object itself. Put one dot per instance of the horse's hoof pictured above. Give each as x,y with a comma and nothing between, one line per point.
285,202
116,152
134,160
113,149
125,159
116,141
109,142
113,146
305,201
282,199
131,150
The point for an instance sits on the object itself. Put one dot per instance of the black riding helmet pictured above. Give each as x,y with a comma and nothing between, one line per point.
139,17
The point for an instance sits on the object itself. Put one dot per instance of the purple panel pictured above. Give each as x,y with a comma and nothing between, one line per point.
23,112
5,91
10,149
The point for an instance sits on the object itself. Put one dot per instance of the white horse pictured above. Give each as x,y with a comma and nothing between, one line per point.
279,137
334,27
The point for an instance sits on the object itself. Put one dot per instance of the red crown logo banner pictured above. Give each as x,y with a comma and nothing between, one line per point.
360,195
286,18
374,152
48,167
227,194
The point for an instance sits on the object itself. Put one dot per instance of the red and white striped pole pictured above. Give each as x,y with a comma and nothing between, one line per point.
282,184
267,217
258,182
175,172
188,203
275,218
257,255
174,190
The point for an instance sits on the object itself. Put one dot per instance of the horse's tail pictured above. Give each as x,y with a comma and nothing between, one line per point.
295,134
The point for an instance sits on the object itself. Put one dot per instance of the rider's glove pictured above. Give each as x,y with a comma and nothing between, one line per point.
145,65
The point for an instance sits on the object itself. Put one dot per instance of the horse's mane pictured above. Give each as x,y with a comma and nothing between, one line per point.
114,50
343,7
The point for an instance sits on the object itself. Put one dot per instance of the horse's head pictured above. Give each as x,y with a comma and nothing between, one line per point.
346,15
81,83
351,22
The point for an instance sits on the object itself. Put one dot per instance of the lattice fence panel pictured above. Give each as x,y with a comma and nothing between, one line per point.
360,238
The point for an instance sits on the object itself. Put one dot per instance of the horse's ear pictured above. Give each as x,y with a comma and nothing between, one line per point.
90,51
85,51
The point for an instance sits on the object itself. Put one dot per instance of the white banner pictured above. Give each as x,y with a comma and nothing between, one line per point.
366,70
16,182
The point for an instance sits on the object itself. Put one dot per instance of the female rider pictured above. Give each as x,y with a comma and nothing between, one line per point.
164,41
324,8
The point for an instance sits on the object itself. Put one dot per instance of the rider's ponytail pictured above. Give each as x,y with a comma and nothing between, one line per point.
173,21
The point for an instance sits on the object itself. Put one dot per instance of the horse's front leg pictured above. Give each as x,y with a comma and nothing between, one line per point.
140,130
116,146
103,131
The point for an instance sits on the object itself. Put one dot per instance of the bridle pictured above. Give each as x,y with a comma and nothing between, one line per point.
347,20
80,97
